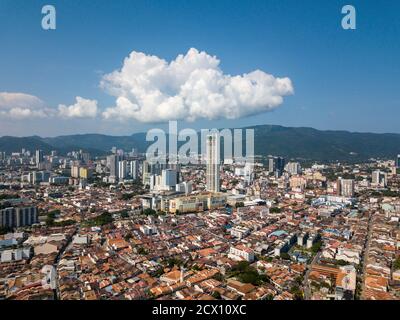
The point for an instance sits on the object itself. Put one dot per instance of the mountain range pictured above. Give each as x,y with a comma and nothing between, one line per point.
291,142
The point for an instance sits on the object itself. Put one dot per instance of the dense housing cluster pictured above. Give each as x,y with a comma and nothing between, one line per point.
119,227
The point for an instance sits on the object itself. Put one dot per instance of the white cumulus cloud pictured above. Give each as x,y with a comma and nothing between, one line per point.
149,89
83,108
17,105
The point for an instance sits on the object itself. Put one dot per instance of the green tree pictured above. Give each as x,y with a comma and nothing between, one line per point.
247,274
128,236
239,204
275,210
316,246
297,293
216,295
101,220
218,277
285,256
149,212
170,262
396,264
142,251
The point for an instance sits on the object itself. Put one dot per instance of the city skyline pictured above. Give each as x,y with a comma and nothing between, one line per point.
192,156
271,229
333,80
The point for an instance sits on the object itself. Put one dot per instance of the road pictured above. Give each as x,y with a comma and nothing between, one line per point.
58,258
306,285
365,255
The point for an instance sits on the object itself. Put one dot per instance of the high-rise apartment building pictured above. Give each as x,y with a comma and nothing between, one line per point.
146,173
85,157
18,217
186,187
271,164
112,162
280,166
134,169
122,169
293,168
379,178
39,156
85,173
168,178
75,171
276,165
345,187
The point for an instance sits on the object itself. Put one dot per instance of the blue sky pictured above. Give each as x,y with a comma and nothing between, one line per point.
342,79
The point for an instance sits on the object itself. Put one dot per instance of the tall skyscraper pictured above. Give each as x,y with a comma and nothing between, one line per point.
146,173
293,167
39,156
212,171
134,169
280,166
248,172
85,157
168,178
398,161
177,168
271,164
122,169
276,165
75,171
345,187
112,162
379,178
85,172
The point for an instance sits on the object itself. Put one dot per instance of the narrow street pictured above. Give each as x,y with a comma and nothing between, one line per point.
307,289
57,261
365,256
